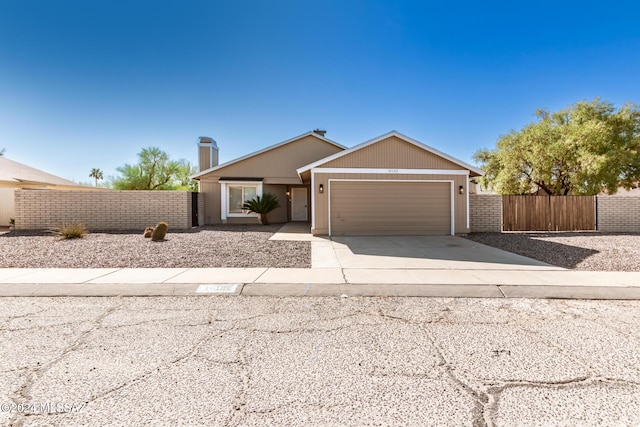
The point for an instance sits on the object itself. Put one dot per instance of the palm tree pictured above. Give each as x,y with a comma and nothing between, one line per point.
262,205
97,174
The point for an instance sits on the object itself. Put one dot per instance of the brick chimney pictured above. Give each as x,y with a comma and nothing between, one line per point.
207,153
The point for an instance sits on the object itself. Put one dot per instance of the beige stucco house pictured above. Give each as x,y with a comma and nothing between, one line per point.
389,185
15,175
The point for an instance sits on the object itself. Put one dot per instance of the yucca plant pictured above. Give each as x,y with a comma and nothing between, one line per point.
262,206
71,231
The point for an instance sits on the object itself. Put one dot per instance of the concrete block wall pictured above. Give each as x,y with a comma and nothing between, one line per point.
102,210
200,209
485,213
615,214
618,214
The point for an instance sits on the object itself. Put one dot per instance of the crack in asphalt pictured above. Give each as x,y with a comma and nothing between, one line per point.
190,353
495,391
302,329
40,327
23,395
481,399
488,397
561,349
244,377
485,394
4,326
628,335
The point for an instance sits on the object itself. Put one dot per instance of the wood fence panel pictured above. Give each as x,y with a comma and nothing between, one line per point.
525,213
548,213
572,213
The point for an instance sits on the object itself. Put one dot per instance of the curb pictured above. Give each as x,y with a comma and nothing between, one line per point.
319,290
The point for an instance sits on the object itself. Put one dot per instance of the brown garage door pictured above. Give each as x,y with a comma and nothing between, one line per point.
390,208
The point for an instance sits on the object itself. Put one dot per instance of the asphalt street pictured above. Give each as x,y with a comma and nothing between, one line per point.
249,361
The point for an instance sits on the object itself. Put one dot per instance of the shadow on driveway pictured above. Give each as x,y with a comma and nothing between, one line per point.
532,245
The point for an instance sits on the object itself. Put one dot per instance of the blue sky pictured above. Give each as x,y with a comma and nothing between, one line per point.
87,84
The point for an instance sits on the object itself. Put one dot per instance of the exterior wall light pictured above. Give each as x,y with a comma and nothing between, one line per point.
461,190
321,189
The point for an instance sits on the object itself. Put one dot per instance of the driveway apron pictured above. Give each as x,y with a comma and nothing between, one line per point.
427,252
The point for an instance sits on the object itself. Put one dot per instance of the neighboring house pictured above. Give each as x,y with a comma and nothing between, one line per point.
623,192
476,188
14,175
390,185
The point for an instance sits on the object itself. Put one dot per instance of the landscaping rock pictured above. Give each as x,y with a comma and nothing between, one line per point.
216,246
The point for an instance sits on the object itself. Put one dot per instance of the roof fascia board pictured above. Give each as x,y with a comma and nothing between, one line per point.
383,171
264,150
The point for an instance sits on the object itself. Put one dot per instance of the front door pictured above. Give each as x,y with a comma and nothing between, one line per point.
299,210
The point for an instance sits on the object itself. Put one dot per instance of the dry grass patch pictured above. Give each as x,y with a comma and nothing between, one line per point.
71,231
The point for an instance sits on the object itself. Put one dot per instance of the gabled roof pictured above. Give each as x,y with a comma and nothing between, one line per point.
18,173
280,144
383,137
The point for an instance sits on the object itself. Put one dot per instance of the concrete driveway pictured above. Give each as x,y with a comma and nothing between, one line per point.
422,252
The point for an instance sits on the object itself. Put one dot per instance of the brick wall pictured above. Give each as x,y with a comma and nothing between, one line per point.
200,209
135,210
485,213
102,210
618,214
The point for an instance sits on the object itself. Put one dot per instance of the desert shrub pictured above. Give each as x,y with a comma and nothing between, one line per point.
148,232
160,231
262,206
71,231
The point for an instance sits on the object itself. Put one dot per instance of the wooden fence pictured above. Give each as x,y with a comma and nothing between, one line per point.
548,213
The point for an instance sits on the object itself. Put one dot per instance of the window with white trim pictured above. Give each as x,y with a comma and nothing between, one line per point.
238,195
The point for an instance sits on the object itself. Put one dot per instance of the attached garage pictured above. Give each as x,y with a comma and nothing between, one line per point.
394,207
390,185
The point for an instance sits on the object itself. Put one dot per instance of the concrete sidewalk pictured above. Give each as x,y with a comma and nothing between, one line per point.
345,282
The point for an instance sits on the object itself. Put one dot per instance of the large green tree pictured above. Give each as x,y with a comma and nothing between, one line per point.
584,149
155,171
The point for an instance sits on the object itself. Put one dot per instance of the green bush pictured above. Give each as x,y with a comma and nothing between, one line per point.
72,231
262,206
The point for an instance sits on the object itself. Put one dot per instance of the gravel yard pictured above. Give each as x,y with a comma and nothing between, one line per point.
579,251
216,246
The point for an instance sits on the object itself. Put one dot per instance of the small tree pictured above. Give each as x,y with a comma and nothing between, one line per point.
262,205
183,177
1,152
97,174
154,171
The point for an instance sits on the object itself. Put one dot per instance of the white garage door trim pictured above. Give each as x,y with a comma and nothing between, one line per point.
451,185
